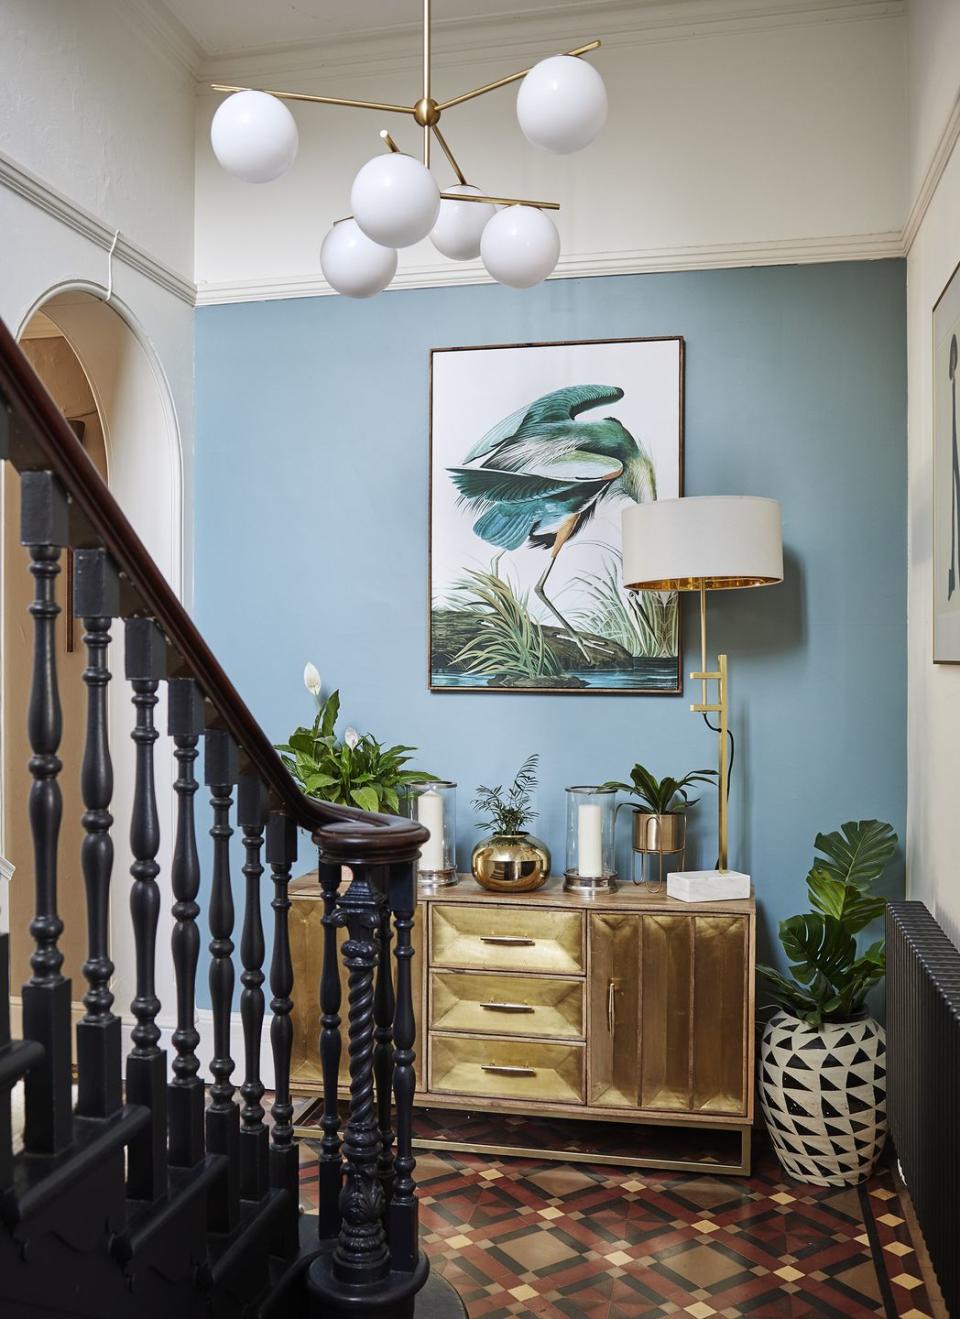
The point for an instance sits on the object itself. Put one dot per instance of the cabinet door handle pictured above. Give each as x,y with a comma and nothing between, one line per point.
506,1007
502,1069
512,940
612,1006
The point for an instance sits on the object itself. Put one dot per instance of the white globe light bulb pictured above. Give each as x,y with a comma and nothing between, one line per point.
460,225
254,136
562,104
354,264
520,246
395,200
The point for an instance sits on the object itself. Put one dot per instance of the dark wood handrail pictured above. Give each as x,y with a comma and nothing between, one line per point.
40,438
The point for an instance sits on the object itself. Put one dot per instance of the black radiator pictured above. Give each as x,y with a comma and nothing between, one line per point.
923,1079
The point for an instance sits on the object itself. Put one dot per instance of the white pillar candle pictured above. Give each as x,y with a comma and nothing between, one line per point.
430,815
590,841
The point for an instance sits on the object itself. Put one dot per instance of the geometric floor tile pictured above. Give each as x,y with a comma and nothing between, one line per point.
535,1238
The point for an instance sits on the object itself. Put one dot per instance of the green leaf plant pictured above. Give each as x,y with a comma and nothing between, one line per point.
831,977
661,796
356,770
508,812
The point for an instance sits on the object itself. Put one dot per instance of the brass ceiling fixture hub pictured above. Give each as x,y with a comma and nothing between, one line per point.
426,112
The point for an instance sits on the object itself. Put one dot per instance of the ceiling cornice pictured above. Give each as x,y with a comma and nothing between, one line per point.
533,32
164,33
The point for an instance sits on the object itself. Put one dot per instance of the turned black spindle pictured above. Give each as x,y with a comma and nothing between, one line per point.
185,1097
253,811
284,1156
96,599
384,1008
145,666
403,1210
331,1163
361,1256
47,994
220,761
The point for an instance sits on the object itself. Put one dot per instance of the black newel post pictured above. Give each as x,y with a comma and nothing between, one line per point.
96,599
185,1099
253,811
331,1163
404,1224
384,1009
46,995
284,1156
220,762
145,663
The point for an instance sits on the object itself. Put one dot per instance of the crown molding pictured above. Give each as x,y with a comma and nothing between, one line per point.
640,261
532,33
60,207
163,32
934,173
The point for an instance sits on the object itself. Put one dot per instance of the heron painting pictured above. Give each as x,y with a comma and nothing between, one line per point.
535,451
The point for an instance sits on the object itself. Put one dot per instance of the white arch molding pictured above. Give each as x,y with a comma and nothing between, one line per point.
145,465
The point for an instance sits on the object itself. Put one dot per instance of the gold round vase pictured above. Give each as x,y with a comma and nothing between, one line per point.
511,863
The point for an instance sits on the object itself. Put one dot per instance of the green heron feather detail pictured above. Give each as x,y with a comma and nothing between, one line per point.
544,473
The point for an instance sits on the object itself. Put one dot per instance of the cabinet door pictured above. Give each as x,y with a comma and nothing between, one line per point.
614,1010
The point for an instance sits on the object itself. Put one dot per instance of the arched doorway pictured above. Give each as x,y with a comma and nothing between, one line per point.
79,341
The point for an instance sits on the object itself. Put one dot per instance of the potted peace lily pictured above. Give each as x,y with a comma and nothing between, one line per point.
355,770
659,817
822,1069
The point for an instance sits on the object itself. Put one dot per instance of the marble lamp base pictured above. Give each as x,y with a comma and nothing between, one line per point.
708,885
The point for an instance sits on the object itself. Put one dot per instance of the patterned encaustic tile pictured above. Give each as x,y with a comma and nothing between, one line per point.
522,1236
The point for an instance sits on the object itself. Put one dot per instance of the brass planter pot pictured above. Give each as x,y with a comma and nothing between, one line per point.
659,833
511,863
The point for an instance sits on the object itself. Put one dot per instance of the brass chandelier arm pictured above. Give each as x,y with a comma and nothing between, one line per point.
498,201
504,82
386,106
449,155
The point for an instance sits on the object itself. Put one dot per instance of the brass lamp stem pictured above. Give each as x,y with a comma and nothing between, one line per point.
721,708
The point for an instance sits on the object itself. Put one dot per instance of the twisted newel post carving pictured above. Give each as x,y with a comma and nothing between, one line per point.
46,996
185,1097
96,596
145,663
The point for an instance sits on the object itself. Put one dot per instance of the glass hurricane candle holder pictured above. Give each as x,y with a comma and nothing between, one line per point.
434,805
591,815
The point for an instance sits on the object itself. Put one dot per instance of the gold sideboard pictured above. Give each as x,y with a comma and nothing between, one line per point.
629,1006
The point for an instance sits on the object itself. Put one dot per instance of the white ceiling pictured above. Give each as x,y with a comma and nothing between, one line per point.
223,27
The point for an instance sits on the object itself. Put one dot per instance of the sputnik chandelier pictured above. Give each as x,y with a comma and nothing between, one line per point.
395,199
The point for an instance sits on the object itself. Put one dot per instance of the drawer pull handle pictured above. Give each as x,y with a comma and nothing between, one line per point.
511,940
612,1006
502,1069
506,1007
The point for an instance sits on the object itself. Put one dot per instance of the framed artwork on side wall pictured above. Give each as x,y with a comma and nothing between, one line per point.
535,449
946,475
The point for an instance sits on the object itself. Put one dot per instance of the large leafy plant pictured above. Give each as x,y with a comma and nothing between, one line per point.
508,811
355,770
830,976
665,796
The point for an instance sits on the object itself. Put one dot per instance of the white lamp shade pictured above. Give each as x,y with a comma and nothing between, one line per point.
562,104
460,225
354,264
254,136
520,246
395,200
721,541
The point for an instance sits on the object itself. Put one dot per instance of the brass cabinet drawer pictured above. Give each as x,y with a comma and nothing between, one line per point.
507,1069
495,1003
492,938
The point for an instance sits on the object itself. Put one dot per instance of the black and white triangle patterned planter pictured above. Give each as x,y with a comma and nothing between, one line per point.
823,1096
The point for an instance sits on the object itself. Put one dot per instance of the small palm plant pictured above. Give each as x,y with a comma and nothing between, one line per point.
507,812
356,770
667,796
830,977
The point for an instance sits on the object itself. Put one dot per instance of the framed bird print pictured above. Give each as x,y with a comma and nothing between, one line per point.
535,450
946,475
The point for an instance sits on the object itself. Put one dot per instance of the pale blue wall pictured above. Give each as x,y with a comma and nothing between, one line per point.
311,536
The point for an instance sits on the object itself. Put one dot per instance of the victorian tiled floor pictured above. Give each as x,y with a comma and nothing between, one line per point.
577,1241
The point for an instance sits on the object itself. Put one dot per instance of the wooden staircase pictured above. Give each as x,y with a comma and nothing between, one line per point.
152,1194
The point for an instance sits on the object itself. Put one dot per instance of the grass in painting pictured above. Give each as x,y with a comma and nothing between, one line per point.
508,640
644,623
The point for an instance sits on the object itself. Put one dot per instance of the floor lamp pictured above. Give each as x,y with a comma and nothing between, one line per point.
705,543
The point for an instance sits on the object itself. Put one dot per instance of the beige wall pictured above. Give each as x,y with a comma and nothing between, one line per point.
933,746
